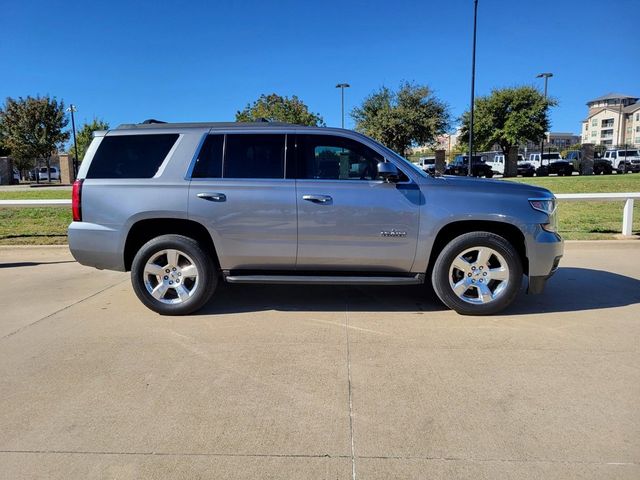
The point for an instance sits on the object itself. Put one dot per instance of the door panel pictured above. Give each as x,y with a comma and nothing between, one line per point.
254,226
364,225
252,216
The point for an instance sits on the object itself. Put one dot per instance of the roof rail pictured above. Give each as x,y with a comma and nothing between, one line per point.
150,121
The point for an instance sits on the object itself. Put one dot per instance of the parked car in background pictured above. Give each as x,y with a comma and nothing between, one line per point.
600,165
460,166
42,174
624,161
498,162
428,164
185,207
525,169
547,158
550,163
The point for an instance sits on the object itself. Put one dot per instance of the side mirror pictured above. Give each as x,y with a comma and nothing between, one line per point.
388,172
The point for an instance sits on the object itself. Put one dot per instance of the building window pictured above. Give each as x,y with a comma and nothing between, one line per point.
637,117
594,122
607,123
594,133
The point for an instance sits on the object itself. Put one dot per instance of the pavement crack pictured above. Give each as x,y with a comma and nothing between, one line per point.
174,454
24,327
353,448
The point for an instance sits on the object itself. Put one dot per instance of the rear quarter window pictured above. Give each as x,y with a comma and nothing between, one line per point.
131,156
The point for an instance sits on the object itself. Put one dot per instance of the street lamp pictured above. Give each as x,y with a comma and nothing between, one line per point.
342,86
546,77
72,109
473,83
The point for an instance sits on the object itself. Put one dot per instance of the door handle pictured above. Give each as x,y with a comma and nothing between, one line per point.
317,198
212,197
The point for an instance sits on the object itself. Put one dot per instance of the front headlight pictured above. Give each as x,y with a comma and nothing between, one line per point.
548,206
544,205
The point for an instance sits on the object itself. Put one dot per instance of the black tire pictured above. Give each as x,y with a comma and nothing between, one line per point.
207,276
489,174
440,273
622,168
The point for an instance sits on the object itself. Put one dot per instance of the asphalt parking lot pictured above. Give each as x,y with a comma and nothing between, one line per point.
319,382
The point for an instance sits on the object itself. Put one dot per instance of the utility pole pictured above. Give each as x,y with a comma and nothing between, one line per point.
342,86
546,77
473,83
72,109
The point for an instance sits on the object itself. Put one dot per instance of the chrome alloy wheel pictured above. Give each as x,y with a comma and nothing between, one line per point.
479,275
170,276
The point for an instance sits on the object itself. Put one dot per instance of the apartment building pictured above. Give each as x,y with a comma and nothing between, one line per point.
613,119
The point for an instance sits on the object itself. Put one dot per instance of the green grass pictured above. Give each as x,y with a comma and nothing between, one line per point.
578,220
36,194
591,220
592,184
34,226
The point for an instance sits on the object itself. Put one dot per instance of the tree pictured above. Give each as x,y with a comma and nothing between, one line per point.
408,117
33,129
508,117
275,108
85,136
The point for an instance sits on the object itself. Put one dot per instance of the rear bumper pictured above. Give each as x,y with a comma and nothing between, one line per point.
96,246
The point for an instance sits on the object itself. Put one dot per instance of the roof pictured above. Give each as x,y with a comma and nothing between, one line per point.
610,96
239,125
631,108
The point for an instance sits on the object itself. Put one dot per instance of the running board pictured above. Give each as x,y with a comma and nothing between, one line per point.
325,280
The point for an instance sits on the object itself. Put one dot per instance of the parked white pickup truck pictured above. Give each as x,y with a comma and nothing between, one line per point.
497,164
547,158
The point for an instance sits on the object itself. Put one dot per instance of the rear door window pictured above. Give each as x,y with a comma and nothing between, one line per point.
254,156
209,162
131,156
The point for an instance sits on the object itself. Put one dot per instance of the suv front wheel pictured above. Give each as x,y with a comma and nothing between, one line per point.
173,275
478,273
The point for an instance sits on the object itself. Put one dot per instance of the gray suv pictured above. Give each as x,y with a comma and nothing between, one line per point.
187,206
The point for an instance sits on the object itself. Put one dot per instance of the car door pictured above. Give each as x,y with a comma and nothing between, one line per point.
239,193
347,218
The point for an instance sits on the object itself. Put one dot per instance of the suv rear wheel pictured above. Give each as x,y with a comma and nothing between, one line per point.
478,273
173,275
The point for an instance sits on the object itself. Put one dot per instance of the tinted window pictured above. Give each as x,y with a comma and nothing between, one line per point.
130,156
254,156
629,153
335,158
209,162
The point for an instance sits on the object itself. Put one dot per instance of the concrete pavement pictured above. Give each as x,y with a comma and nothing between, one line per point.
319,382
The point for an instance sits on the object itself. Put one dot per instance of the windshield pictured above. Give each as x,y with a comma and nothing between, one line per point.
628,153
551,156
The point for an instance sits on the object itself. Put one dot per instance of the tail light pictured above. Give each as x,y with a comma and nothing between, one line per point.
76,199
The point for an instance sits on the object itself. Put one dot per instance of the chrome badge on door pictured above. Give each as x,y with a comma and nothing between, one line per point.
393,233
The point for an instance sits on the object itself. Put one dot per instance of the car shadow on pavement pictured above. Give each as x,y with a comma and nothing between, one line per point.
321,298
573,289
32,264
570,289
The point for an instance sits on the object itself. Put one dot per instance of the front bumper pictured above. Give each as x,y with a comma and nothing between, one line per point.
544,254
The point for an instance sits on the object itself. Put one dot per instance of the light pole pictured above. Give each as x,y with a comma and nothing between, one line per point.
473,82
72,109
546,77
342,86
